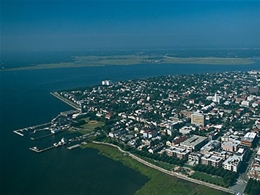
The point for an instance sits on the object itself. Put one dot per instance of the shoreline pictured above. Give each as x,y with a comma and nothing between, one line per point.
152,167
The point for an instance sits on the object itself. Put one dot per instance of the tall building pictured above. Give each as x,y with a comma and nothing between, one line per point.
198,119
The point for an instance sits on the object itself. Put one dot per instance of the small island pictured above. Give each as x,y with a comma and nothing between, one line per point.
136,59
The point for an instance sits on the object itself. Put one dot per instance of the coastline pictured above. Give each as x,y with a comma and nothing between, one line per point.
157,175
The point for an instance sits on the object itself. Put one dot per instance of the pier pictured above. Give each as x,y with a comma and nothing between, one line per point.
74,146
35,149
20,131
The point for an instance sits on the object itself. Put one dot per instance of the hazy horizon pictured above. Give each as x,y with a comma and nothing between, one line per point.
61,25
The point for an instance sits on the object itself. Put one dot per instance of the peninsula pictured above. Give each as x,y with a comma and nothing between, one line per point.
202,128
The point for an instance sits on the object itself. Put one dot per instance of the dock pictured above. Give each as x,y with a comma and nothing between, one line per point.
20,131
74,146
35,149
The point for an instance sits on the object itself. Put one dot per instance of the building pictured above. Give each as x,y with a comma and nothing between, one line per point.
254,172
216,98
198,119
210,146
107,82
178,152
149,134
232,163
249,139
194,158
257,156
195,142
211,159
231,146
186,129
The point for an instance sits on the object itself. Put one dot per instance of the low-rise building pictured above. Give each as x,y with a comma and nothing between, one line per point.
254,171
210,146
257,156
186,129
231,146
194,158
211,159
232,163
195,142
178,151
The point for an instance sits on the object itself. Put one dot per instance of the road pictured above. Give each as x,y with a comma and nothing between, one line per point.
243,178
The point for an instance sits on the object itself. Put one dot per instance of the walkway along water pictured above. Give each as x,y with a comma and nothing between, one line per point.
168,172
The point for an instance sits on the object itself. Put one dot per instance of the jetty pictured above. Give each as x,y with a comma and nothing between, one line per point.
74,146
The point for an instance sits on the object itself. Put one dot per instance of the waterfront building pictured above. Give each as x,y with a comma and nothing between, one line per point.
106,82
194,158
211,159
232,163
178,152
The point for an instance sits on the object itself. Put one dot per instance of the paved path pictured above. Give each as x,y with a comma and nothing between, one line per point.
169,172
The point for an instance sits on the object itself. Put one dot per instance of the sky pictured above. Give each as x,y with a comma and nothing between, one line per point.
64,25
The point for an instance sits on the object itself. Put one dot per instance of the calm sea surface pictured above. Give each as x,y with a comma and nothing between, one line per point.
26,100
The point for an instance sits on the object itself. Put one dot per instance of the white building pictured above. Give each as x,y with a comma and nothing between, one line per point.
232,163
107,82
187,129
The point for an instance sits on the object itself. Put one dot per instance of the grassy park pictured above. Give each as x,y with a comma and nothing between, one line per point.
209,178
88,126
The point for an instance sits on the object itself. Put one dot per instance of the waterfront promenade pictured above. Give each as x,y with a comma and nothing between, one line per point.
171,173
73,105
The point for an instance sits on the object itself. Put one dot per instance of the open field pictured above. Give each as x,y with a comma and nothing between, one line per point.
83,61
159,183
89,126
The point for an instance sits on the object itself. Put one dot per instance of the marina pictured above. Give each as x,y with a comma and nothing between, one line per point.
20,131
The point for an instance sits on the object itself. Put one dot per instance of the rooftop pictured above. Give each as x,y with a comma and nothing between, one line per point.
193,141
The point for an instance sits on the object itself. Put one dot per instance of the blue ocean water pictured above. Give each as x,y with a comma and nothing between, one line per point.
26,100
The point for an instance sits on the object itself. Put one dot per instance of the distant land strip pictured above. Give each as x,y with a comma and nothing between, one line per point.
85,61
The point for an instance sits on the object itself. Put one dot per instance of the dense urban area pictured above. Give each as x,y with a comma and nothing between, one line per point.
203,126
